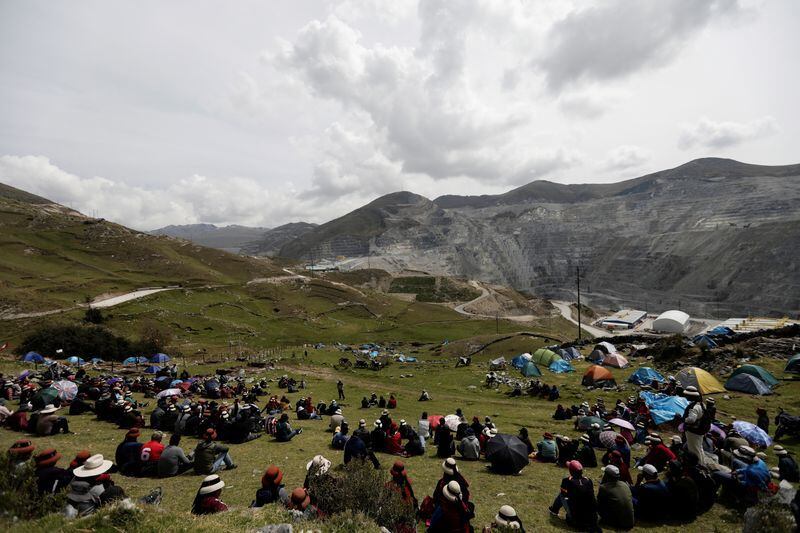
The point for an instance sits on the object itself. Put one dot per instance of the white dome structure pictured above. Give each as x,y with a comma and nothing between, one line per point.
672,321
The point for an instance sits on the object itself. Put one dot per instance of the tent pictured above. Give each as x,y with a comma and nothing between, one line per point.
544,357
704,341
135,360
497,364
75,360
663,408
571,353
720,331
159,358
645,376
606,347
530,370
152,369
705,382
747,383
33,357
758,372
596,356
598,376
560,367
96,360
793,365
519,361
672,321
615,360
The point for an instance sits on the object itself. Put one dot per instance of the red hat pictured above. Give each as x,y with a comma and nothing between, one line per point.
210,434
273,476
575,467
548,435
80,458
398,469
133,433
47,457
299,499
21,447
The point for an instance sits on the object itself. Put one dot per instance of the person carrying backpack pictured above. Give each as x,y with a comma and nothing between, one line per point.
696,423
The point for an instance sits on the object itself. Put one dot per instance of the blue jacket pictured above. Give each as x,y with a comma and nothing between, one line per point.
755,475
354,448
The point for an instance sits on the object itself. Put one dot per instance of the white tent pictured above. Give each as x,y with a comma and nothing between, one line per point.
672,321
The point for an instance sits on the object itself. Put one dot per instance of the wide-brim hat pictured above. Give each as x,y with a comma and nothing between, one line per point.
21,447
691,392
780,450
94,466
449,466
272,475
211,484
506,516
79,491
338,412
47,457
452,491
585,438
744,452
398,469
612,470
299,499
322,465
648,470
362,423
49,408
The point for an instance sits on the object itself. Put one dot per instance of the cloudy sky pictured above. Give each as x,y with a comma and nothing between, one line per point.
264,112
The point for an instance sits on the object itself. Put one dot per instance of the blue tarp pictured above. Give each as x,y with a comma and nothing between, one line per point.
518,362
720,330
645,376
663,408
560,367
159,358
407,359
75,360
704,340
152,369
33,357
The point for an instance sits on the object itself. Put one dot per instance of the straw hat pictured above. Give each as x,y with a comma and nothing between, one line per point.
21,447
585,438
691,392
449,466
211,484
322,465
273,476
612,471
362,423
648,470
452,491
676,439
94,466
47,457
745,452
780,450
49,408
507,517
299,499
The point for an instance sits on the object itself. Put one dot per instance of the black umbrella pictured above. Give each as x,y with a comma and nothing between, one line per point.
507,454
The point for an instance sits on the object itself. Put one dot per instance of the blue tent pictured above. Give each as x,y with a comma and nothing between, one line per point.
175,382
747,383
570,353
152,369
596,356
720,331
131,361
560,367
96,360
75,360
530,370
33,357
705,341
645,376
519,362
663,408
159,358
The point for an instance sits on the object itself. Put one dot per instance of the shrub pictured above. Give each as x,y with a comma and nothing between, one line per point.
19,495
770,516
93,316
362,488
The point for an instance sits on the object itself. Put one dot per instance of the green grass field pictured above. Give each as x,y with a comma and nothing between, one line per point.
529,492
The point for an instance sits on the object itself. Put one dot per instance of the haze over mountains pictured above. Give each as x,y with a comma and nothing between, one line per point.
236,238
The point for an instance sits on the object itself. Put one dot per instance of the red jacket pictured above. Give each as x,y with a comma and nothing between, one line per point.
393,444
151,451
658,456
211,504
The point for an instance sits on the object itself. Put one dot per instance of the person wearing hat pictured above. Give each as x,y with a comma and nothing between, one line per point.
683,492
402,485
272,488
470,446
526,440
95,472
336,420
377,437
300,506
209,457
394,441
505,519
450,473
128,454
577,498
48,423
158,413
614,500
18,420
207,500
424,396
80,500
80,458
745,482
658,454
49,477
386,420
452,512
567,448
586,454
650,495
356,448
173,460
695,423
80,405
546,449
787,466
676,445
317,467
20,455
363,433
340,436
615,458
284,431
392,403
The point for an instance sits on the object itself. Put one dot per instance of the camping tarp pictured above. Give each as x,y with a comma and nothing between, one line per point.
597,376
793,365
758,372
645,376
705,382
530,370
663,408
747,383
615,360
519,361
544,357
560,367
720,331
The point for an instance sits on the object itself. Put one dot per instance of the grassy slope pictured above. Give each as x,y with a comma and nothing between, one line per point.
529,492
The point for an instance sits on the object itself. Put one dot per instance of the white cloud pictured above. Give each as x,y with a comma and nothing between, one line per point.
707,133
626,157
617,38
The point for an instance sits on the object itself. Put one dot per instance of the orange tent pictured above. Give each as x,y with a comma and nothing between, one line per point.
598,376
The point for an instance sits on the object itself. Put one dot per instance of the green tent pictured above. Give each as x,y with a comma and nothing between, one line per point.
544,357
530,370
757,372
793,365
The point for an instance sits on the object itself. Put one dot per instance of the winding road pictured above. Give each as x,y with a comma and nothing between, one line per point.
566,311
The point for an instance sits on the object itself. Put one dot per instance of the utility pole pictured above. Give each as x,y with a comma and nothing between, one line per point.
497,323
578,278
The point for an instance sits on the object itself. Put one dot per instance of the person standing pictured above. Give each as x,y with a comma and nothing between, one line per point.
694,422
340,389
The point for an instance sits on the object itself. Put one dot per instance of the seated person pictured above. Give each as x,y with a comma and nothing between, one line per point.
173,460
207,500
284,431
546,449
650,495
272,488
470,447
